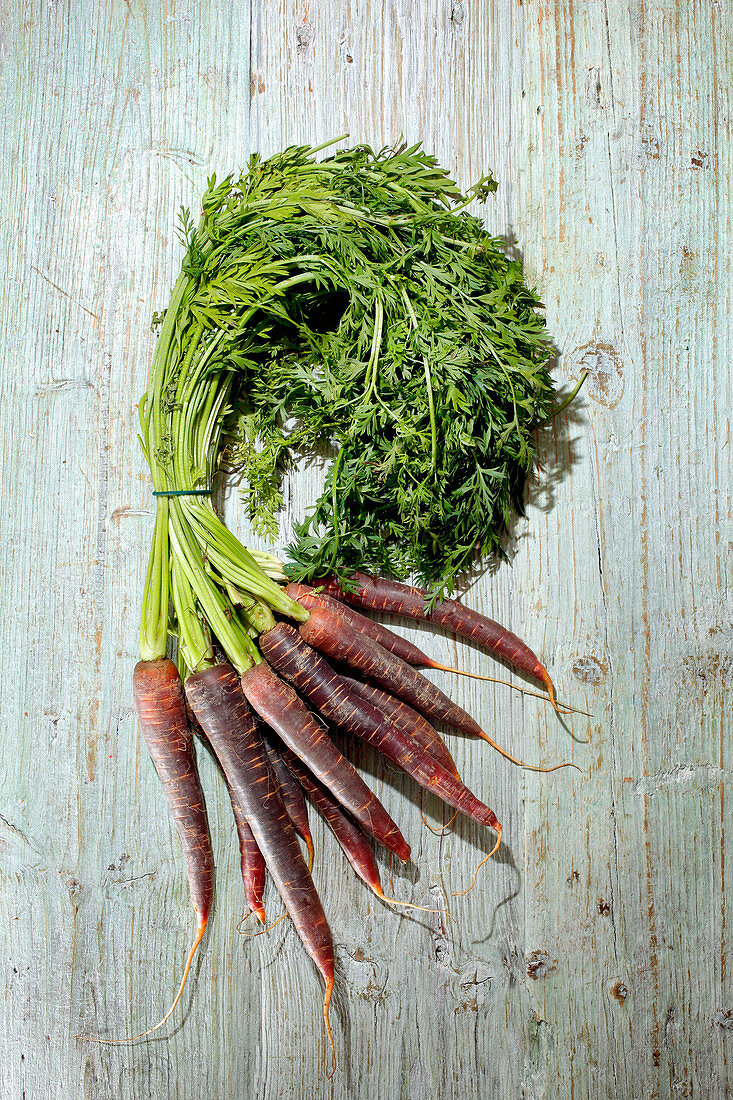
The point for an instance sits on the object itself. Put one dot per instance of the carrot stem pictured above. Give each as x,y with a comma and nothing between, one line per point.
154,616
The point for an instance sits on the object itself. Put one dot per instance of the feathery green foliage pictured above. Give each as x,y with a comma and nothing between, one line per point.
352,303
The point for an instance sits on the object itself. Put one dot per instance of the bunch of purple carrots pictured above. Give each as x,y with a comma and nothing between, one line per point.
269,730
265,671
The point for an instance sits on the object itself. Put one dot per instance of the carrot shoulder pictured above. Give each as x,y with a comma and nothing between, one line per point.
311,599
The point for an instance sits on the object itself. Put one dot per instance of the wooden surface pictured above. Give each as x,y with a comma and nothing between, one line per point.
593,956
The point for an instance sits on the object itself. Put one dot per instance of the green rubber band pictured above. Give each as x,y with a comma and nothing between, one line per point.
182,492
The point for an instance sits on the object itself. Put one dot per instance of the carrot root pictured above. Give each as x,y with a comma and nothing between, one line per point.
439,832
327,1022
461,893
410,904
521,763
176,999
561,708
252,935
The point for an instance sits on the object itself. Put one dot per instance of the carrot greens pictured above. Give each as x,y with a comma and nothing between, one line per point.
352,302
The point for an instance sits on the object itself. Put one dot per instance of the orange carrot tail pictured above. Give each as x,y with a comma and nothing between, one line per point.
460,893
309,846
262,931
259,913
116,1042
547,681
327,1022
407,904
520,763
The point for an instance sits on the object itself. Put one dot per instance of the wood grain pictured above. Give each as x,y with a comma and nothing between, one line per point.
592,959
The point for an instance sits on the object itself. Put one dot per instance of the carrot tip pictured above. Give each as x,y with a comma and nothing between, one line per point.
259,913
329,1033
309,845
521,763
547,681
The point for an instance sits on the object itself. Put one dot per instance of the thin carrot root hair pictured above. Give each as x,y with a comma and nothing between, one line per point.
547,680
561,708
327,1022
409,904
566,708
176,999
492,680
521,764
446,826
461,893
444,830
251,935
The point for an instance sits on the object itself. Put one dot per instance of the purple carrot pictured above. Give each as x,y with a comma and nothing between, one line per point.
296,661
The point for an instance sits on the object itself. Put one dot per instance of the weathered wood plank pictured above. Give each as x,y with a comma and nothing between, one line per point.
592,957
